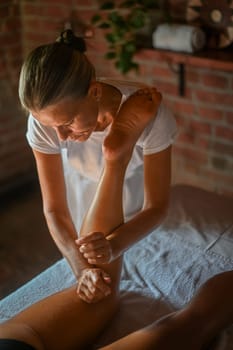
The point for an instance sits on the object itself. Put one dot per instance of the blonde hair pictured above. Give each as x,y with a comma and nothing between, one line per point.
52,72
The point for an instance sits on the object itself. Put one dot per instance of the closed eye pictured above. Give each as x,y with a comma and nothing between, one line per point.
68,123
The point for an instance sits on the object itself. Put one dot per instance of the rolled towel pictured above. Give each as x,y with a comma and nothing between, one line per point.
178,37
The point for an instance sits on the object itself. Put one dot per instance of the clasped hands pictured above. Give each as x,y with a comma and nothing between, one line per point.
94,282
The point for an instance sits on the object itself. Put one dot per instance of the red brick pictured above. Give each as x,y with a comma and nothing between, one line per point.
184,107
190,154
192,76
145,55
214,80
39,38
165,87
32,9
56,11
224,132
84,15
141,75
200,127
98,46
219,177
202,142
222,148
7,40
229,117
42,24
185,137
180,120
192,168
224,99
85,3
162,72
210,113
14,51
56,2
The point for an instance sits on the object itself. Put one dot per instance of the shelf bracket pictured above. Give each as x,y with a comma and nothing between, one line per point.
181,77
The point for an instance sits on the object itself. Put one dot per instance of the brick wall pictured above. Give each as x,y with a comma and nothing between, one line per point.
16,165
203,150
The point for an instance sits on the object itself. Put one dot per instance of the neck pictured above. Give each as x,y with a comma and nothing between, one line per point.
109,105
110,100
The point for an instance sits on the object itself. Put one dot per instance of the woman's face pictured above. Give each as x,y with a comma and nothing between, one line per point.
73,119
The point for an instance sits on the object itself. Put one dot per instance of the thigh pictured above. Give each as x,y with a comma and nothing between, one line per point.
62,320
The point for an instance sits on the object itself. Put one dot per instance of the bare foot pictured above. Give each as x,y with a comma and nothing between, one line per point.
135,114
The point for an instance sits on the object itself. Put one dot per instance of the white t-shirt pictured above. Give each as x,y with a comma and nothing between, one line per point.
83,161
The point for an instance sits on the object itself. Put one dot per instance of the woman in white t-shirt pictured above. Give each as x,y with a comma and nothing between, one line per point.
71,113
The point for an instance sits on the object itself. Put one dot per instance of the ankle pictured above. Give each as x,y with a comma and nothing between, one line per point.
115,153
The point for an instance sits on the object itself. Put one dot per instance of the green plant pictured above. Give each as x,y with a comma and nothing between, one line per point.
122,22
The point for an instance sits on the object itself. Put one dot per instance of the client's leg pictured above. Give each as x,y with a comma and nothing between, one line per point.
135,114
61,321
64,321
194,327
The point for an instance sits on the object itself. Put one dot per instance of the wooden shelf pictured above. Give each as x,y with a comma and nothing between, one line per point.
215,59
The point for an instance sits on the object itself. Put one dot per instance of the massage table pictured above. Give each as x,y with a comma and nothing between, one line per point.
160,273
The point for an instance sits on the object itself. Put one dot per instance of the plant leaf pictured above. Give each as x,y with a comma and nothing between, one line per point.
112,38
104,25
95,19
130,47
137,19
110,55
116,19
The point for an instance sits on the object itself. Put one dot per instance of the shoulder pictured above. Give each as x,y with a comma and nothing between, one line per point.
126,87
160,133
42,138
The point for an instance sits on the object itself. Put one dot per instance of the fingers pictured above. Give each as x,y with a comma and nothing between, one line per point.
93,285
150,92
95,248
98,259
93,236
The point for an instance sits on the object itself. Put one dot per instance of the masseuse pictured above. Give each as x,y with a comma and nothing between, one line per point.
64,321
71,112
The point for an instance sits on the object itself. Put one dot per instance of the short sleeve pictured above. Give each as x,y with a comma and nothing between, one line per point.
42,138
161,132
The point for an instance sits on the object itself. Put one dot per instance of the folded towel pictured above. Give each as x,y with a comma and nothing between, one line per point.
177,37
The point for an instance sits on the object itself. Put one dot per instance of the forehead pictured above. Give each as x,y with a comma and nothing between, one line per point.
60,112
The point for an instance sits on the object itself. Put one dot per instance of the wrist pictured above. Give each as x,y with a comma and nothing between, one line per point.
76,261
115,249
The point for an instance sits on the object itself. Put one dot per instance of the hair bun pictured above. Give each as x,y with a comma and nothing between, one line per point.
67,37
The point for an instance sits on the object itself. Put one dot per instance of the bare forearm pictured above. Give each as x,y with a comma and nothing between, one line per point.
135,229
64,234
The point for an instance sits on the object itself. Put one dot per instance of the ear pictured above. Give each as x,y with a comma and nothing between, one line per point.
95,90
